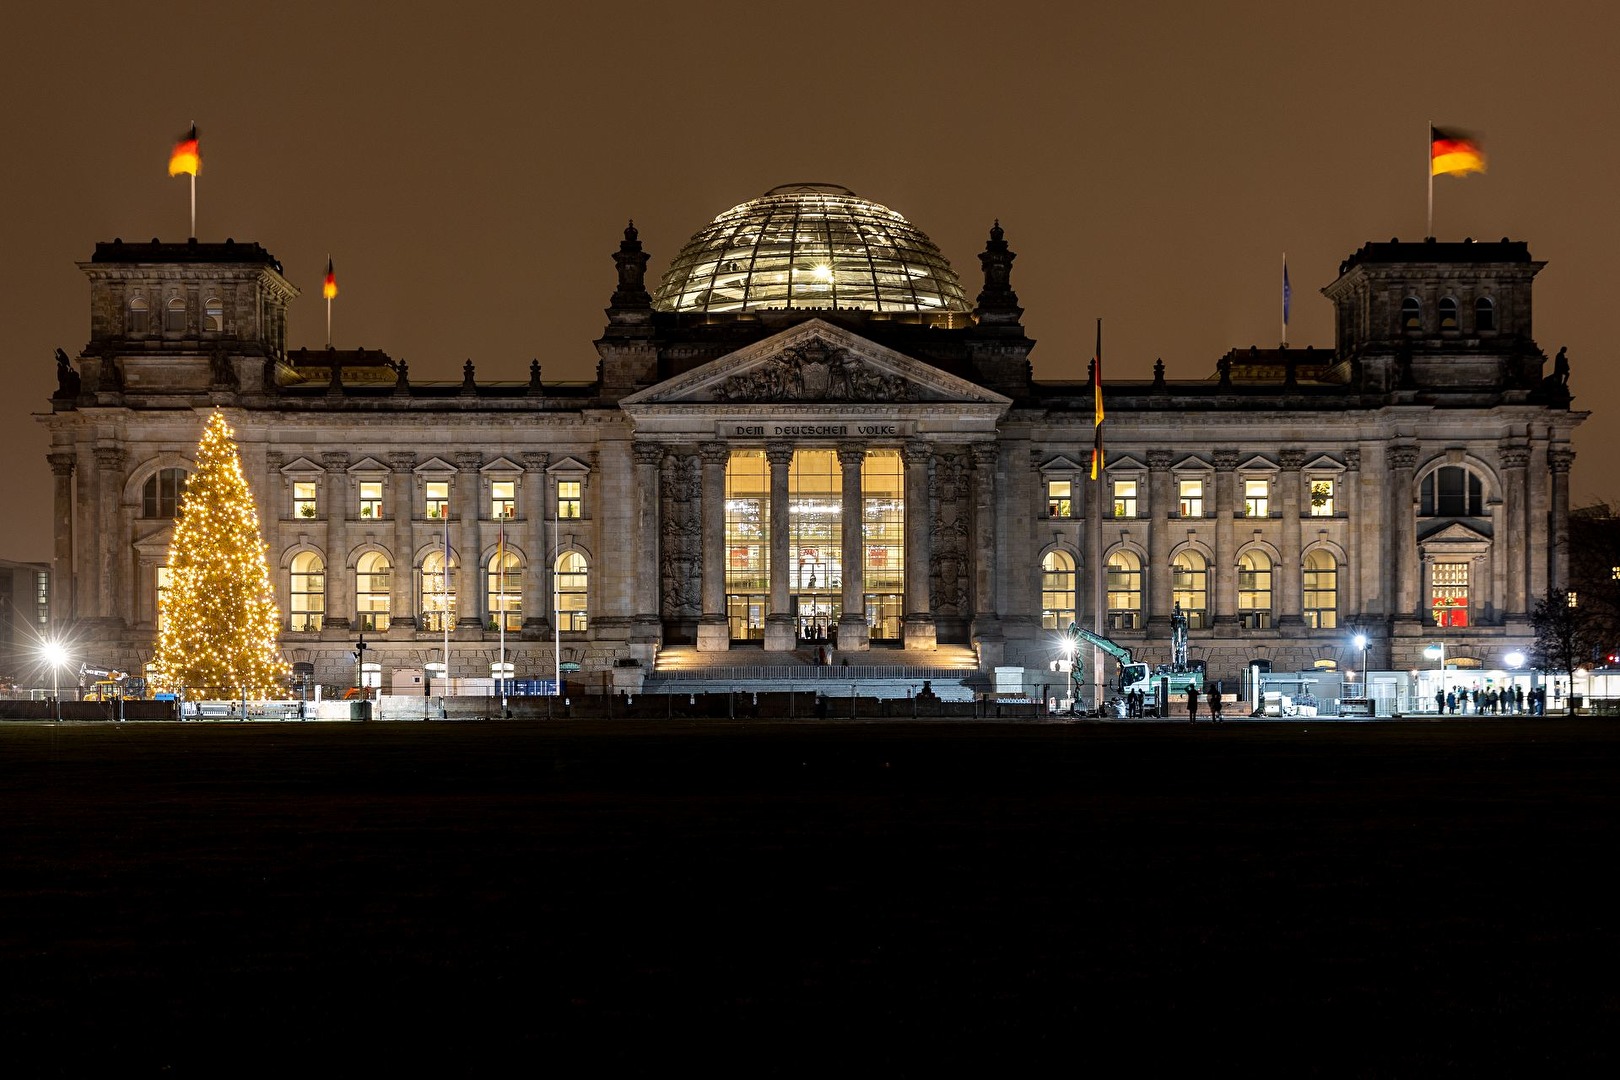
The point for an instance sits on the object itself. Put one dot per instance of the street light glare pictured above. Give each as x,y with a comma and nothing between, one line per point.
1361,641
54,654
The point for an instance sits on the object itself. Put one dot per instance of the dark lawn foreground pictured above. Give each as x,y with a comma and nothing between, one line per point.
465,899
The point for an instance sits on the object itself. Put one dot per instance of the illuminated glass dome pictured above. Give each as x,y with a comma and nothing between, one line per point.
810,246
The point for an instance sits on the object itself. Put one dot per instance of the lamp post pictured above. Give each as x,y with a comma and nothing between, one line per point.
1361,643
55,655
1514,661
1438,651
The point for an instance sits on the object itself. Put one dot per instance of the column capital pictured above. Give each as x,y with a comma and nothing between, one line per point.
1159,459
1352,459
918,452
1292,459
779,453
335,461
647,453
985,455
1402,457
714,453
469,461
536,460
109,458
851,454
402,463
1559,458
1514,456
274,460
1225,459
62,464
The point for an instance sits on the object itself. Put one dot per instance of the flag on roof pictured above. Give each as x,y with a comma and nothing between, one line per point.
186,158
329,286
1454,153
1097,407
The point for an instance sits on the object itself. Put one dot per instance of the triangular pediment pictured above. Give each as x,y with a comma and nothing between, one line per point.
502,464
815,363
367,465
1191,463
1126,463
568,465
1064,463
1257,463
301,466
434,466
1454,534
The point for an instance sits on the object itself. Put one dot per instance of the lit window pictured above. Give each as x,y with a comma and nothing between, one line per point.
1448,595
372,576
503,499
437,596
437,494
1124,591
1059,500
1448,313
174,317
1411,315
308,591
504,576
748,530
1192,499
1124,498
1321,590
1484,315
573,582
569,498
140,321
1451,491
1321,498
213,314
160,498
1571,600
371,495
304,498
1257,498
1254,590
1057,590
1189,585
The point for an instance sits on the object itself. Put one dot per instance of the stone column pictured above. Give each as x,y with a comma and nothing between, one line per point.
62,576
986,622
920,630
1559,459
109,536
401,610
780,635
1291,584
1350,600
1225,568
1401,554
1160,502
853,632
1513,540
339,576
648,456
714,634
469,580
537,575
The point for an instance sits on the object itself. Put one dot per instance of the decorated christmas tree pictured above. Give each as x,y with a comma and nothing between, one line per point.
218,617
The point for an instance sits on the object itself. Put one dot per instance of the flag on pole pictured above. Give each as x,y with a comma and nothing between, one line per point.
1097,407
329,286
186,157
1288,294
1454,153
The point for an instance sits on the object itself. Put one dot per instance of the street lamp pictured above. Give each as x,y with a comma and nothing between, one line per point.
1361,643
54,654
1437,651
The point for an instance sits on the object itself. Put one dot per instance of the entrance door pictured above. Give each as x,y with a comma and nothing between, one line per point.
883,615
817,614
746,614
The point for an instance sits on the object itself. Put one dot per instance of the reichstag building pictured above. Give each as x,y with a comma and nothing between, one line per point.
811,435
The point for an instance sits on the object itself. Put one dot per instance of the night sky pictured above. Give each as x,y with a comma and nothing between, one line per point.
470,170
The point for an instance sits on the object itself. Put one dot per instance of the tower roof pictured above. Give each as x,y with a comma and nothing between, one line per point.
810,246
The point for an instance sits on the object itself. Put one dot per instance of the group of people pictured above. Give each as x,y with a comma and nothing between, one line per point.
1212,695
1492,702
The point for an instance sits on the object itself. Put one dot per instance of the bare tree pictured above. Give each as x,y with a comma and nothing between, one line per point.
1566,635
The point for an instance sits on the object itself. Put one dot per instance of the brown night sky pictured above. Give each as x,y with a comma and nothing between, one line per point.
470,169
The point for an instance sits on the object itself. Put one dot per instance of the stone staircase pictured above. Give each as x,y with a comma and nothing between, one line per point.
951,671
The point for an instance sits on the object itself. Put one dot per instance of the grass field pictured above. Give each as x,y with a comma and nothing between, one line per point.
1288,899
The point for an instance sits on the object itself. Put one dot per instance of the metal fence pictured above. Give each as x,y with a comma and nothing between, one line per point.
826,672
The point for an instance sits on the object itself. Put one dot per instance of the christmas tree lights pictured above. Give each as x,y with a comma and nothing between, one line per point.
218,620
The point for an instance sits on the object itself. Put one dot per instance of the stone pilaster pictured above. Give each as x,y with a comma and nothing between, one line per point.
1401,535
1225,568
714,633
401,610
62,575
986,622
537,579
1559,460
1160,502
339,575
1351,594
109,534
780,634
920,631
853,631
1291,590
645,632
469,581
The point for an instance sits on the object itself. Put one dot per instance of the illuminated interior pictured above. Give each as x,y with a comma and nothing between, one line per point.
810,246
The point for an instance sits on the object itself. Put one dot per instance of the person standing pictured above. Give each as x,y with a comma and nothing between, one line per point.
1192,704
1440,700
1214,696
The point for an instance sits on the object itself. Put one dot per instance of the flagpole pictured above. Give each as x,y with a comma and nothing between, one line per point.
556,597
500,565
1285,302
1428,163
1098,572
444,596
194,194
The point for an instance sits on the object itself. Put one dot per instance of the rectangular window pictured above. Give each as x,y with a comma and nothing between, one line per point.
437,493
371,493
304,498
1321,498
570,498
1192,498
1257,498
42,597
1449,593
1059,499
503,499
1124,498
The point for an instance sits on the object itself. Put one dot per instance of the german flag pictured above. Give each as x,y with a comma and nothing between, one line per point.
1454,153
186,158
329,286
1097,407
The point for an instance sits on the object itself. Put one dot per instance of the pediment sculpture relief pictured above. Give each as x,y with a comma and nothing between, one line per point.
813,372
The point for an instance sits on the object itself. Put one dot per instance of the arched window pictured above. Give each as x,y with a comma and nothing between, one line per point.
160,498
1057,590
573,582
174,316
1189,584
1254,590
140,321
504,578
1124,591
1451,491
1448,312
1411,315
1484,316
1321,590
437,597
308,592
213,314
372,576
